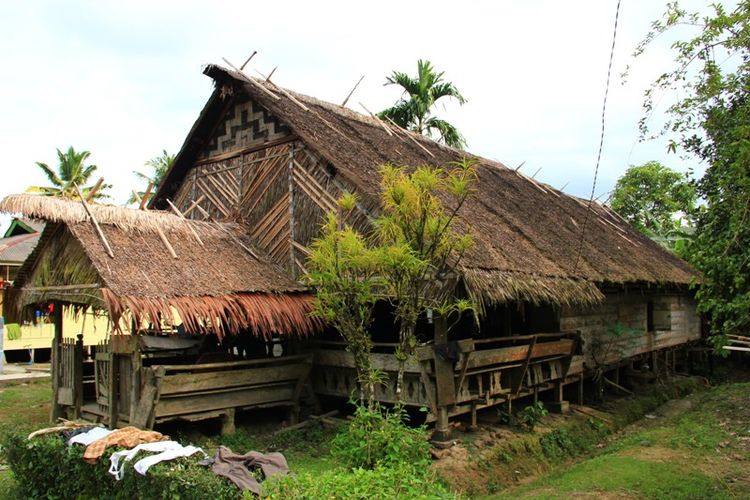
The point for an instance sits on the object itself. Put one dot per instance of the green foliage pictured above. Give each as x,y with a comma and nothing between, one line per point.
408,260
71,171
345,270
657,201
414,110
422,244
380,437
398,481
47,468
532,415
710,121
159,166
383,458
630,477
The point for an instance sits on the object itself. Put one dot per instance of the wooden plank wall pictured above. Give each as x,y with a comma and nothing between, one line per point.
630,310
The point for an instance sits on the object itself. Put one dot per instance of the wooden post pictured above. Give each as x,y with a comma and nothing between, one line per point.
473,426
78,376
227,422
580,390
56,410
559,405
444,381
135,382
112,393
558,391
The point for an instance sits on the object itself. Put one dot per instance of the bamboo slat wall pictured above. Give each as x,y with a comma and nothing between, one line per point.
280,189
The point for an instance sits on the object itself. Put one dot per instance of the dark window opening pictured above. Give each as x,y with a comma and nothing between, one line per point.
519,319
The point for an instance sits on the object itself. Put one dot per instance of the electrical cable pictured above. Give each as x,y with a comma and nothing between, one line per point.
601,141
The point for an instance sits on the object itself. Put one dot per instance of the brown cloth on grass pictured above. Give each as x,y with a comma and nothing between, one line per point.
236,467
127,437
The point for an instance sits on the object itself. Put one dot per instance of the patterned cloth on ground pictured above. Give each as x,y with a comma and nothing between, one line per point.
236,467
127,437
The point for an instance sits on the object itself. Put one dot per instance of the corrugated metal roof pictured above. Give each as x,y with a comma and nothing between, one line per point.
15,249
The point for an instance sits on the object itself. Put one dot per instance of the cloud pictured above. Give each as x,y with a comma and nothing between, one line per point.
122,79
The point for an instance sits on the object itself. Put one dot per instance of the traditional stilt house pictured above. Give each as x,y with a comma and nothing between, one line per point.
200,321
554,299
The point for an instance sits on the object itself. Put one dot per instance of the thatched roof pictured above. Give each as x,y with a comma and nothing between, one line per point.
217,282
527,234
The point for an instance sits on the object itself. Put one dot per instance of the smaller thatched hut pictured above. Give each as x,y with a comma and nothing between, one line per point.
154,273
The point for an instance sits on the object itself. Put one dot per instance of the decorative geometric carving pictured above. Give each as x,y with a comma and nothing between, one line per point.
244,124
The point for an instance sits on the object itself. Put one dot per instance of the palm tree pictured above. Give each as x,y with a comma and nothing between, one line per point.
72,171
159,165
413,110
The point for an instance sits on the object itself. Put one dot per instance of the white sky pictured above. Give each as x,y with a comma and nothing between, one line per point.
123,79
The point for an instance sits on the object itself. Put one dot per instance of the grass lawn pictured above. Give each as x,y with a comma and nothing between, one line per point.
697,447
23,407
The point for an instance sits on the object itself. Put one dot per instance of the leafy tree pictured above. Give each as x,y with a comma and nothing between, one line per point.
159,165
657,201
344,269
711,120
414,110
408,259
71,171
423,246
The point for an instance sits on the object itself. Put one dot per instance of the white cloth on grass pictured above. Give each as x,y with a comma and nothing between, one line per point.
118,470
184,451
167,450
86,438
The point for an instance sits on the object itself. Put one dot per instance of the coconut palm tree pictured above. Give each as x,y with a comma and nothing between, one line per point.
414,110
159,165
71,171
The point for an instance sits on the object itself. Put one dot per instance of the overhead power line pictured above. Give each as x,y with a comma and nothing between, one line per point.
601,142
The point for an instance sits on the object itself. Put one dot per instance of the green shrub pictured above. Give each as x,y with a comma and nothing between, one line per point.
379,437
532,415
47,468
395,481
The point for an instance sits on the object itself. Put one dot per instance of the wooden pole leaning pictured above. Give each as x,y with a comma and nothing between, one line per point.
99,231
159,231
180,214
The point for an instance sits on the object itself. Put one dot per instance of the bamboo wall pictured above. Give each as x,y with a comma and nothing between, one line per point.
254,171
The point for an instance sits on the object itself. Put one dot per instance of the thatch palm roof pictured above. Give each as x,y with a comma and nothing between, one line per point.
527,234
217,282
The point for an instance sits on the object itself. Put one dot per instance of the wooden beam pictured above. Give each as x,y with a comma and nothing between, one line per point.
248,59
162,236
412,139
180,214
61,288
247,150
525,368
352,92
734,348
375,117
93,190
95,222
193,204
251,81
146,194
